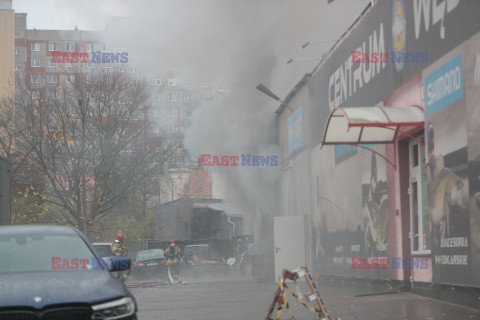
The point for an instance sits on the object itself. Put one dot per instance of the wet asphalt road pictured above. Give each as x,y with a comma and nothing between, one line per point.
248,299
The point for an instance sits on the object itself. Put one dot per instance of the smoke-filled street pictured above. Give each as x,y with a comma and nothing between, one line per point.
239,159
237,300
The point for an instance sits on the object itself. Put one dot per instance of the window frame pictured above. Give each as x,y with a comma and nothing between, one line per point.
67,47
36,77
52,76
35,46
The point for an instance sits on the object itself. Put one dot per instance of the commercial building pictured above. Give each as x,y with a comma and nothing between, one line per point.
381,161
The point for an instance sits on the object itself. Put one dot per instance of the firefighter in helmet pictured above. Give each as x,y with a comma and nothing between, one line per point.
173,254
120,250
239,248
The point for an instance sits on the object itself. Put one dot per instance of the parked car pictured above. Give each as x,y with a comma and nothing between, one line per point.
150,264
54,272
104,249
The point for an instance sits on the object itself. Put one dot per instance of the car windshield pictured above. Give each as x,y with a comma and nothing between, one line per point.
32,253
150,255
104,250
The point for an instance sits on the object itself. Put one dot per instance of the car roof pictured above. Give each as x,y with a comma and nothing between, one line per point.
154,250
150,250
44,229
196,245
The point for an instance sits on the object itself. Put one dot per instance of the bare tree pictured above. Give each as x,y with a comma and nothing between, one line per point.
86,135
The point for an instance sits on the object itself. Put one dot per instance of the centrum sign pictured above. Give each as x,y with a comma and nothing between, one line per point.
95,57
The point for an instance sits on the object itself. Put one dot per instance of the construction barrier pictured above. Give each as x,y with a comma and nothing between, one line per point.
280,299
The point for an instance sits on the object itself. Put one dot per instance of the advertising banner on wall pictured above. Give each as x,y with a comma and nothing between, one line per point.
447,170
471,67
395,41
350,232
295,130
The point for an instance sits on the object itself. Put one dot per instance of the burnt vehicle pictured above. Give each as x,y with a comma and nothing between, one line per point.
150,264
201,258
54,272
104,249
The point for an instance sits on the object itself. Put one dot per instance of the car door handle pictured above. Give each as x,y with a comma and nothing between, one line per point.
277,249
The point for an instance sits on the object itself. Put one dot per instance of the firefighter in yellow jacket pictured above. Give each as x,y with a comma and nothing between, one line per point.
120,250
173,255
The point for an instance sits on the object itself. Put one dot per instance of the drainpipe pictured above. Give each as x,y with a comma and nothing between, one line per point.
233,224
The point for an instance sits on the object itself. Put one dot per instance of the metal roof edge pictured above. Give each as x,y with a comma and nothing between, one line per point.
307,76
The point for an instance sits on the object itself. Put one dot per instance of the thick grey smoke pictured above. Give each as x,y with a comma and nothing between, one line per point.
235,44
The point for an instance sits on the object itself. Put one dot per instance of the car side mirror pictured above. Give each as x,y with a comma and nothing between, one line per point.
113,264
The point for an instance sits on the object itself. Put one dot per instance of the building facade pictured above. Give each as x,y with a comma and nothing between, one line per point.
401,201
7,60
7,67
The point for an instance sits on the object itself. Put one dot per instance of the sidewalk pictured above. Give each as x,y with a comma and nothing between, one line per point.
250,300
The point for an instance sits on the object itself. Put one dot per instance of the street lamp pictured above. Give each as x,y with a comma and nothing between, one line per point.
272,95
319,41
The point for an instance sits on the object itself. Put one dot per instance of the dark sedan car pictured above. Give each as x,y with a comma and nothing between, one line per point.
53,272
150,264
